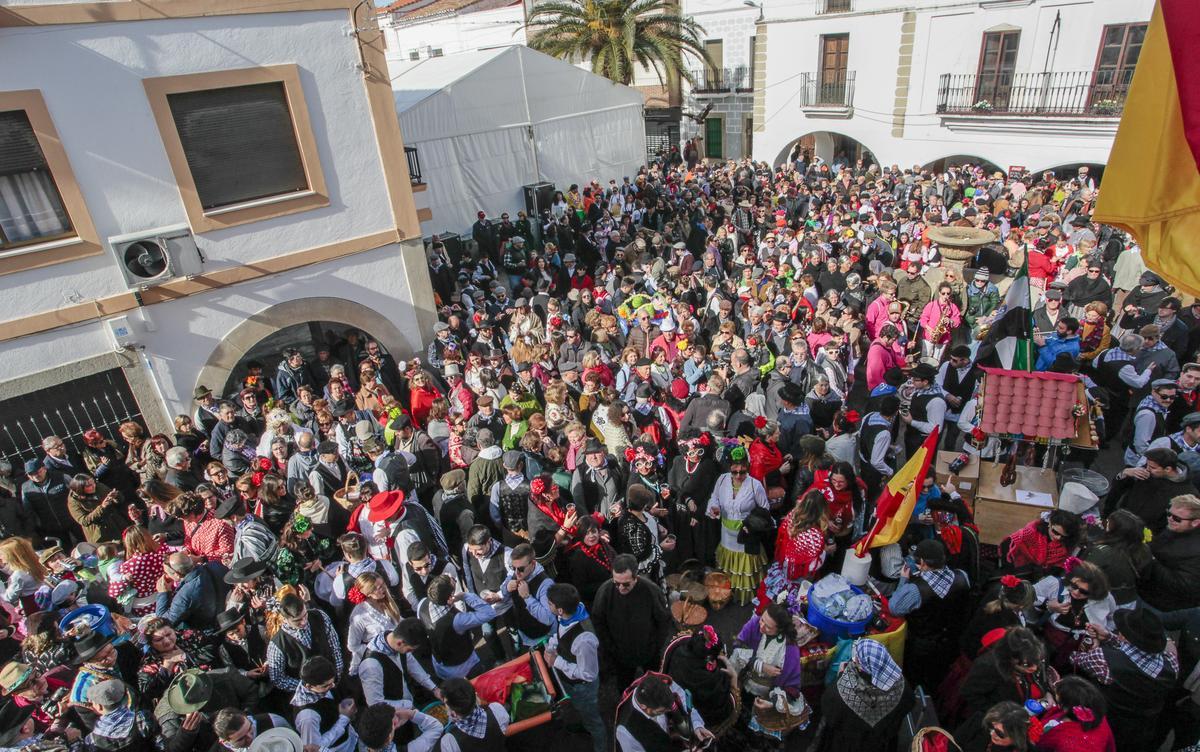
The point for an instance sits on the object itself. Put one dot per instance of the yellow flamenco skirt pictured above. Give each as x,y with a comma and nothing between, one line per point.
745,572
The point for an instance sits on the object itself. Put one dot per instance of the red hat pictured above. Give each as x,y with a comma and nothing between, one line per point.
384,505
679,389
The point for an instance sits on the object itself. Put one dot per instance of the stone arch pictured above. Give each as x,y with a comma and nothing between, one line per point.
1066,170
827,145
244,336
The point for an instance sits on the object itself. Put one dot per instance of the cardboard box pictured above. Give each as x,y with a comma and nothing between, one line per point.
966,480
1002,510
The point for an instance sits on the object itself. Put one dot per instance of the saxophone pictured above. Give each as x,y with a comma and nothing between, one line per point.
942,328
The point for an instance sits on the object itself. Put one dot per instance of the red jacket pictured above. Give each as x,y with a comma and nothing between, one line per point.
1069,736
764,459
1041,265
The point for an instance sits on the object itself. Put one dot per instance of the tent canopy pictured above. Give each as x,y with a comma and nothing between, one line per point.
490,121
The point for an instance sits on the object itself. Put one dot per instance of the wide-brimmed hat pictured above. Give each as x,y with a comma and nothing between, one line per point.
12,718
277,740
201,392
1142,628
15,675
228,619
189,692
90,644
384,505
594,447
924,371
244,570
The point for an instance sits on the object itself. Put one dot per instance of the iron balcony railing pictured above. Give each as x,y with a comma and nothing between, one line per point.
834,6
827,89
414,164
1097,93
720,80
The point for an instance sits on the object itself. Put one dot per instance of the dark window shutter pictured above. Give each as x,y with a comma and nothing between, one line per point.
240,143
19,149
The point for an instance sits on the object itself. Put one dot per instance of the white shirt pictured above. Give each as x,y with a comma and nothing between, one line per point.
626,741
370,673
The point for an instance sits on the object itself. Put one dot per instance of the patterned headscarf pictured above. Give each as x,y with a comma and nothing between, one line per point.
873,658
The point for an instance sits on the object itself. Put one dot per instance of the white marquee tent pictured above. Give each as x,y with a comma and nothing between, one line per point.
487,122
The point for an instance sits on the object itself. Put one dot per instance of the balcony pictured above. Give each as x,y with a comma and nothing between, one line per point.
1064,94
834,6
829,95
414,165
721,80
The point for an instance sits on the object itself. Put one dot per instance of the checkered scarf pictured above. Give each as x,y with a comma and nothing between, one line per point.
1150,664
939,580
473,724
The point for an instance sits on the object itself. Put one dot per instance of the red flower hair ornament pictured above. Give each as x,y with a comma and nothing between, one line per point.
1010,580
760,422
537,486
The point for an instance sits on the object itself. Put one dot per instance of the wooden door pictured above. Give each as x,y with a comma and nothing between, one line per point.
997,66
831,79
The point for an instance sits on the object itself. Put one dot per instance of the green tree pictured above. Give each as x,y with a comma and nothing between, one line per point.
619,35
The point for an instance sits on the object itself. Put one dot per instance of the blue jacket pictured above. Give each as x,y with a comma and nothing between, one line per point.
1055,345
198,599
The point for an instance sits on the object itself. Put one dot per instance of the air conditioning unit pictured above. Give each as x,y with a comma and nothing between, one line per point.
152,257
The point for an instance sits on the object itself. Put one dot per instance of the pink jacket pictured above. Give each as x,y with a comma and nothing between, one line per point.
932,314
876,316
880,358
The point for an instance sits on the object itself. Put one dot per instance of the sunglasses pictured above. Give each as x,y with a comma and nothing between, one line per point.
1077,589
738,472
1176,518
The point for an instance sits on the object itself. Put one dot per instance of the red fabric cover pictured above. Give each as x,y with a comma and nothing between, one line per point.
494,685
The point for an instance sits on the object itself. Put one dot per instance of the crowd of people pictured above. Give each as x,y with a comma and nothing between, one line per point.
700,369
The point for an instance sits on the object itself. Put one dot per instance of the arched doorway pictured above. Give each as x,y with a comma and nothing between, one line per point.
830,147
958,160
293,322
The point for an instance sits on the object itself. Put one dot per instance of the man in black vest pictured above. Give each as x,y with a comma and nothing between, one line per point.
574,652
236,730
322,718
525,588
420,569
927,410
656,704
451,630
381,724
934,599
875,440
957,377
472,728
330,470
486,564
302,634
390,672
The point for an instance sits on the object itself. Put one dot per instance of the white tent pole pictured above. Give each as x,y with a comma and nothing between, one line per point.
537,177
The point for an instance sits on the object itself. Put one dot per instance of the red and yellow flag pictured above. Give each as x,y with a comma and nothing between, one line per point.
898,498
1152,180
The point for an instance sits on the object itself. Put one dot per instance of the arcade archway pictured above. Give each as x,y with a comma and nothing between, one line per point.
830,147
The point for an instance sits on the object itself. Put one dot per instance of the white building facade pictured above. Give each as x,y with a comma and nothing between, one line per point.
1030,83
267,142
423,35
719,106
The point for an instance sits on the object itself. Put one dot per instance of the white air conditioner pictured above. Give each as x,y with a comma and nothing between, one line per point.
152,257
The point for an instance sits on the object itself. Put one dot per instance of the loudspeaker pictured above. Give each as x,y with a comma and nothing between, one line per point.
538,197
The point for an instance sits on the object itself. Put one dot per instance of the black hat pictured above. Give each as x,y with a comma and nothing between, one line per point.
1142,628
594,447
225,508
400,422
12,718
924,371
89,645
244,570
791,393
327,447
228,619
640,362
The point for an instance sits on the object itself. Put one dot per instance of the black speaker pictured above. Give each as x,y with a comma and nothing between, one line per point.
538,197
454,247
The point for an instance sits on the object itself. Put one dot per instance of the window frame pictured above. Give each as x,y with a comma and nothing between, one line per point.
158,91
721,120
83,241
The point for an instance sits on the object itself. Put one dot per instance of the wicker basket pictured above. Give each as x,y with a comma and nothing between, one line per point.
347,495
688,614
720,589
772,720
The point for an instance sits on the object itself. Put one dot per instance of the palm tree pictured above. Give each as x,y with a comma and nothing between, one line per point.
619,35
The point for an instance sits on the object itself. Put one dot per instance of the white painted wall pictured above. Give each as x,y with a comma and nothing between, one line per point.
733,23
947,40
459,32
91,78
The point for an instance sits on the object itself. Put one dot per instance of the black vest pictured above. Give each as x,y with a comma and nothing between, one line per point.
866,438
329,481
419,586
920,407
962,389
566,642
1133,694
491,578
327,709
939,618
449,647
294,652
526,623
395,468
646,731
1107,376
395,678
418,520
493,738
514,506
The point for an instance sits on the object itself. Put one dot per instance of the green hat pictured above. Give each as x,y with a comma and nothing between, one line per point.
189,692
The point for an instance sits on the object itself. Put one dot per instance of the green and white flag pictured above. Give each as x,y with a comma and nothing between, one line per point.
1011,333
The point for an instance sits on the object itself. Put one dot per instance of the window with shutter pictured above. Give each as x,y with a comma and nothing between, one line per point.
31,208
239,142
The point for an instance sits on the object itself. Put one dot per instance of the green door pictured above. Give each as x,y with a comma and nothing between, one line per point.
714,134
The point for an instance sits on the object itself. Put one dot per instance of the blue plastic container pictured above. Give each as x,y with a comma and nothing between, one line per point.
833,630
102,620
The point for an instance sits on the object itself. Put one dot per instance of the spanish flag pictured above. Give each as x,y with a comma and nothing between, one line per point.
898,498
1152,183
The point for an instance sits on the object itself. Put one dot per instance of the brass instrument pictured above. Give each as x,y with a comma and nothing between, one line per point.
941,330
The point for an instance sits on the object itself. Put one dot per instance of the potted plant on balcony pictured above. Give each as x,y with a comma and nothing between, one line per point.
1107,107
982,106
